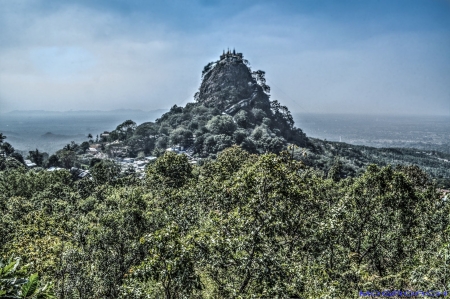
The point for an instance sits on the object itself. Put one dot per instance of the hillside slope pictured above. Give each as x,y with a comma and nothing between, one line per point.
349,160
232,106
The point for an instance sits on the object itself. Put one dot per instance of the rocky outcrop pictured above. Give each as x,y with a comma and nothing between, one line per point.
231,107
228,84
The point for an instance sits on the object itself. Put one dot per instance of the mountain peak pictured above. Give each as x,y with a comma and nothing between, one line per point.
230,85
231,55
232,107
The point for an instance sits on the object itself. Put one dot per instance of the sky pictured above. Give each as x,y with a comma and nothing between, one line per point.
320,56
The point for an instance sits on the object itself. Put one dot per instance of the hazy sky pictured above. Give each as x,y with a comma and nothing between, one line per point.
359,56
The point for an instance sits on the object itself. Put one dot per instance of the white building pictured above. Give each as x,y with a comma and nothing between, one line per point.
30,164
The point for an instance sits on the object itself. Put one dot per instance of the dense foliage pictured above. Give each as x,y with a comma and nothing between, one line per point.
241,226
205,131
352,160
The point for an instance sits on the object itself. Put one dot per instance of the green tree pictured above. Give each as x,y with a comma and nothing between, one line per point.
94,161
53,161
171,263
7,148
84,146
242,119
18,157
2,137
146,129
245,251
126,129
36,157
181,136
335,171
105,172
222,124
66,157
169,170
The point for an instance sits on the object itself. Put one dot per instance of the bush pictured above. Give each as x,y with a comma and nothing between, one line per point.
222,124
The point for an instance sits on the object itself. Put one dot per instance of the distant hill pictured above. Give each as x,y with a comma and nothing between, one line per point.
49,136
25,129
424,132
83,112
232,106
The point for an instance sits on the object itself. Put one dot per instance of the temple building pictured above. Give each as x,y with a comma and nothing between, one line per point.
230,54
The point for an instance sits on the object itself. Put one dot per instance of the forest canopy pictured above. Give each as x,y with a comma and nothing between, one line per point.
240,226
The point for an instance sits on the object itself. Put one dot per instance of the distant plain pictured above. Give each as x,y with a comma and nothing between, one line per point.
28,130
412,131
50,131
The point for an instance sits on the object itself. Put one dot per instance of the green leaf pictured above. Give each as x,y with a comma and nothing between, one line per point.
30,287
46,292
10,268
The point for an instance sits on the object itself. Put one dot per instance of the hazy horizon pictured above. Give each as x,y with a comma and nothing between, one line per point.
28,130
319,56
163,110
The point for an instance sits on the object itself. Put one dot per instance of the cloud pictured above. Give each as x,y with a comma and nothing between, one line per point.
60,62
82,56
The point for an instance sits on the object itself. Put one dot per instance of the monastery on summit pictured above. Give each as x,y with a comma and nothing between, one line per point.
230,54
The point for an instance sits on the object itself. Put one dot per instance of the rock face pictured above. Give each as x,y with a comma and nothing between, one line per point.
232,107
229,85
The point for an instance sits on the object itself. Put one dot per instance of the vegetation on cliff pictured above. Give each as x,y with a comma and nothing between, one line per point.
232,107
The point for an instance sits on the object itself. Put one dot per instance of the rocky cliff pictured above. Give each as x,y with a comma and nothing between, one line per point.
232,106
230,85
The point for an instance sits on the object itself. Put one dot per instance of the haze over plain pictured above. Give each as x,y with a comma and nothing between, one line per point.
319,56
